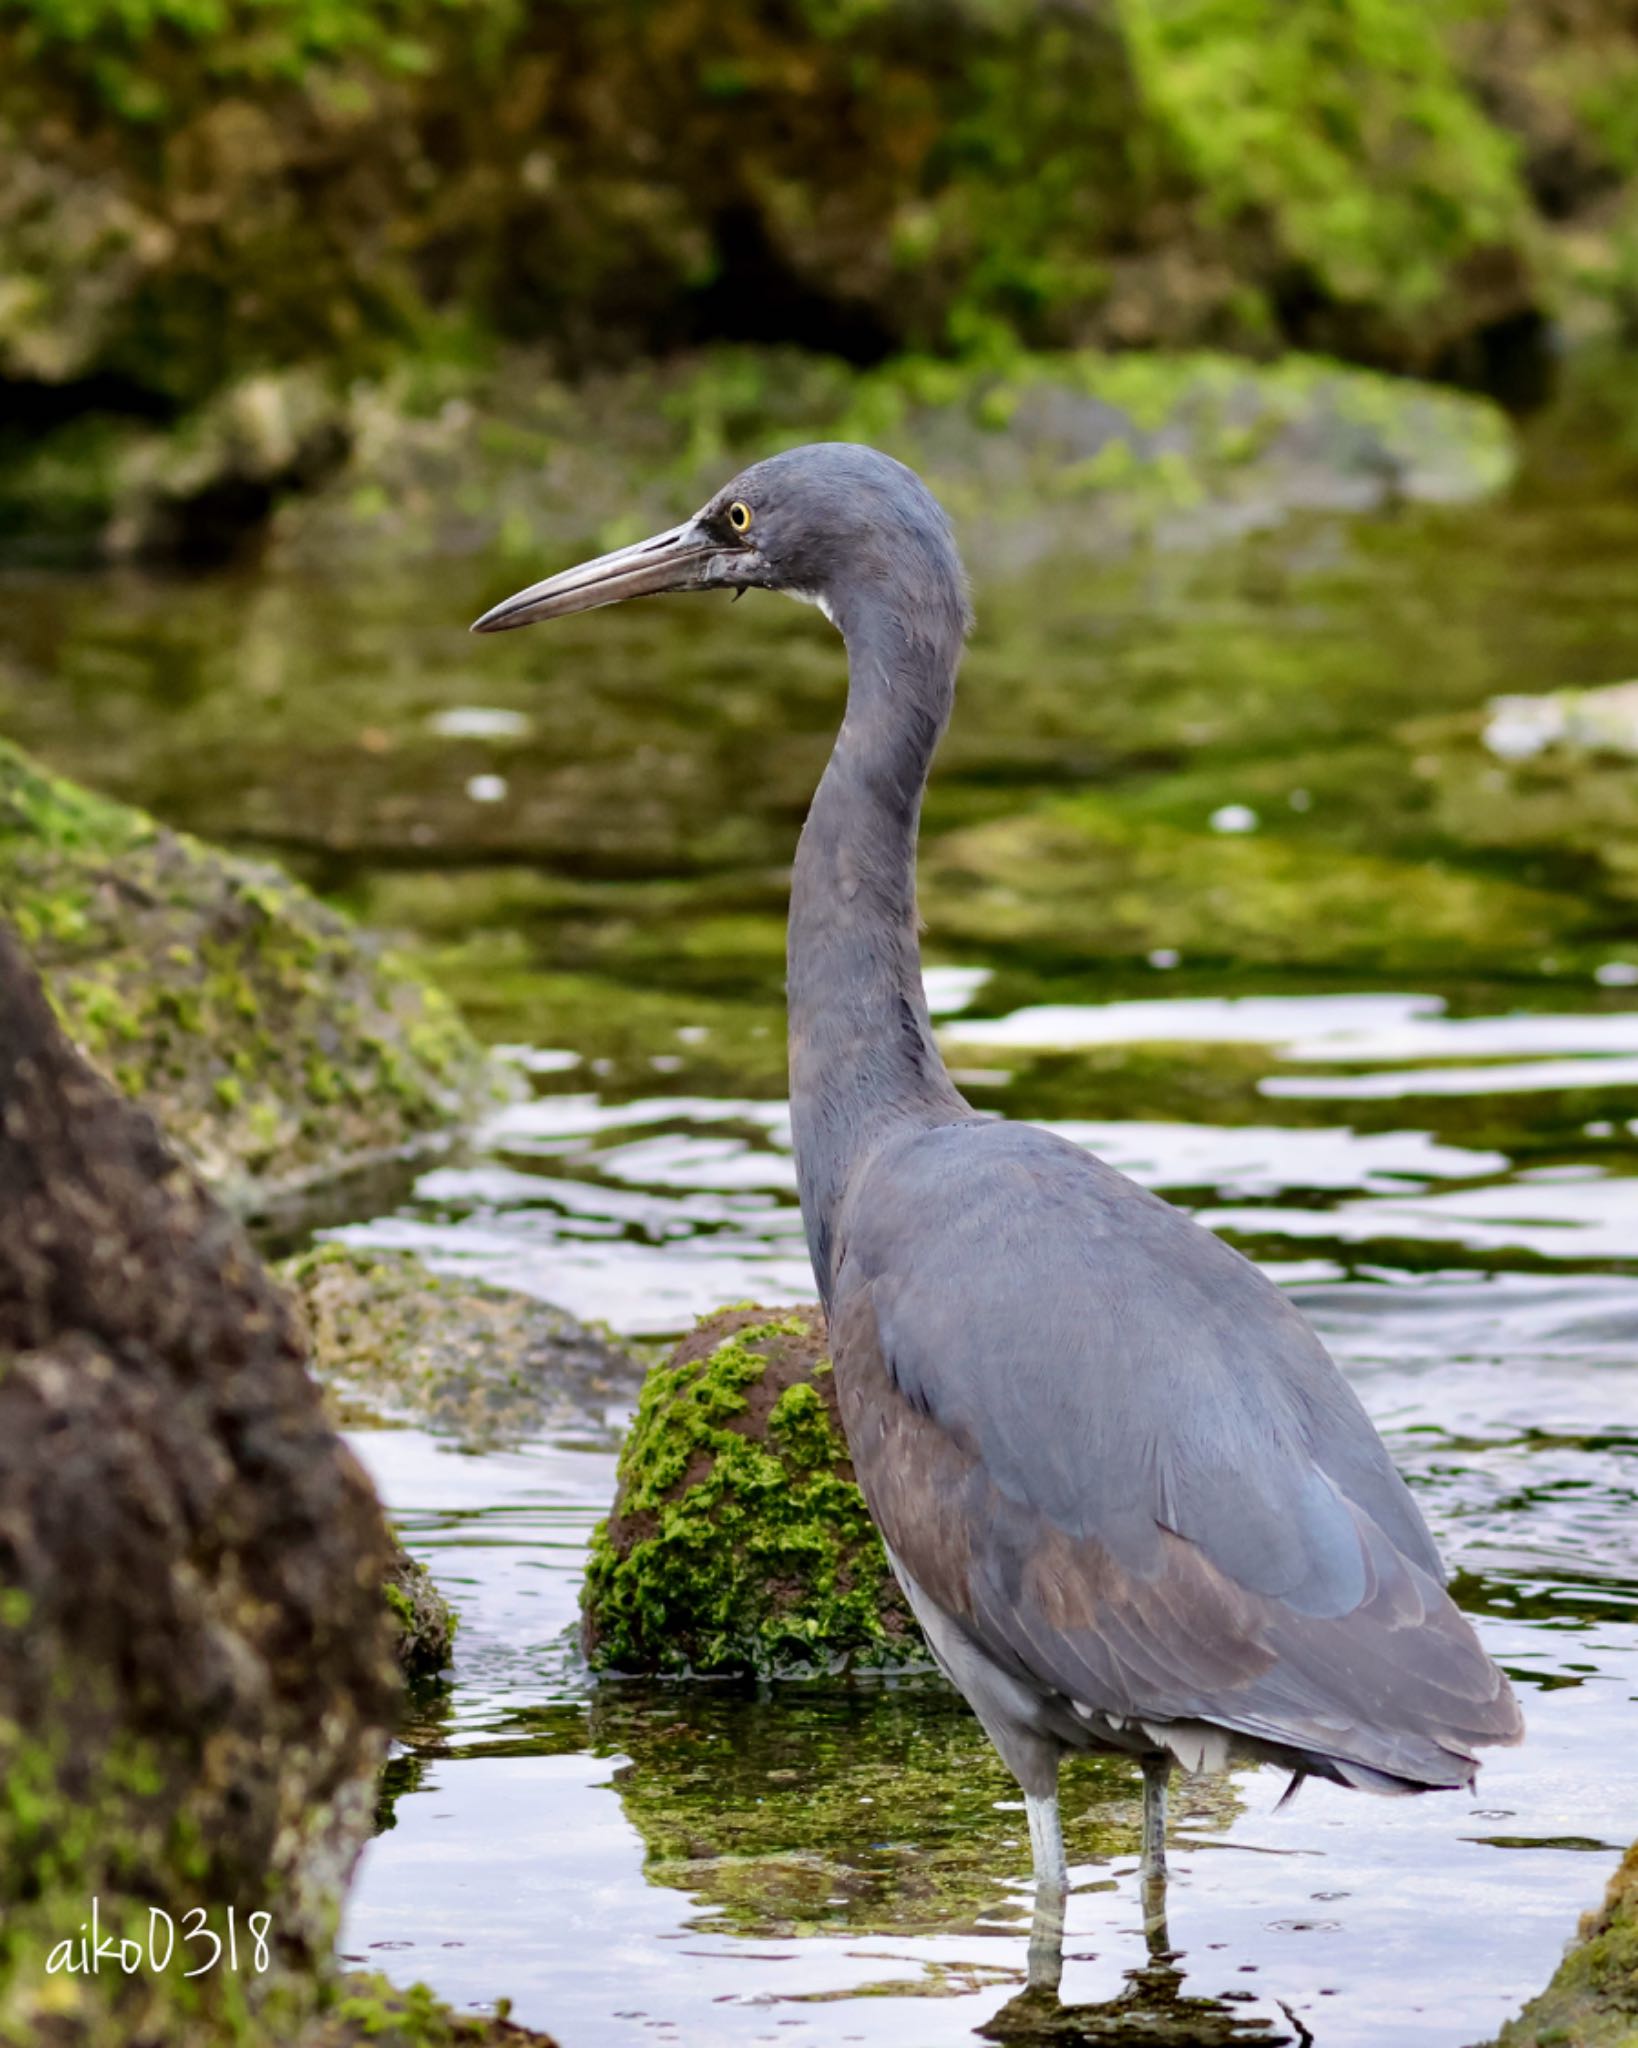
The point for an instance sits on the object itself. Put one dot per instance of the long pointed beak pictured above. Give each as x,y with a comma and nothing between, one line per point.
679,560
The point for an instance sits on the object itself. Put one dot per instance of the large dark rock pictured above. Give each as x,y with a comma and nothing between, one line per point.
196,1679
194,1672
739,1540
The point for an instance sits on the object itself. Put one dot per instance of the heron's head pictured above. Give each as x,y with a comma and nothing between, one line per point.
836,524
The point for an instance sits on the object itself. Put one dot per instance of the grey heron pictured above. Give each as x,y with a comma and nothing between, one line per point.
1132,1500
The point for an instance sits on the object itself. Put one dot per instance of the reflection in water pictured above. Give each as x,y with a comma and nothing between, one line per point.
875,1808
1153,2007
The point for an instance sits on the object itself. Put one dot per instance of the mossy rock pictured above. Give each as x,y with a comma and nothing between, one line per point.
367,2009
424,1623
1037,454
1592,2001
196,1676
1317,171
487,1365
739,1540
276,1044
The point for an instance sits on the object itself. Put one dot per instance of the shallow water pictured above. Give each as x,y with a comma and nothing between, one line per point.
1508,1396
1425,1130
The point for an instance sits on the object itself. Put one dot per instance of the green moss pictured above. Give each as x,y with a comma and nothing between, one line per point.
1592,2001
114,1828
740,1540
1345,127
1141,174
370,2009
257,1025
78,1824
424,1622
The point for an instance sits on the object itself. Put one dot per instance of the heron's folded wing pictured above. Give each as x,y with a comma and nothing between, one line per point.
1109,1448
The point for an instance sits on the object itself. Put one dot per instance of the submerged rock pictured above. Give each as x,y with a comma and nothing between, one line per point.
1077,876
276,1044
485,1364
1592,2001
1546,780
739,1540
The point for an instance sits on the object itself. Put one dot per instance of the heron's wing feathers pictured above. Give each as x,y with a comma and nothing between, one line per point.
1112,1451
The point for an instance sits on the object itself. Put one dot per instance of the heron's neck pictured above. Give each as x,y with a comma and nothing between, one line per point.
863,1063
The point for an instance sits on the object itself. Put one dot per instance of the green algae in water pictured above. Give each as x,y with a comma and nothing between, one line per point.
740,1542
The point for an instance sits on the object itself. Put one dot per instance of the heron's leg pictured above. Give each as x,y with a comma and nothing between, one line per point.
1046,1842
1046,1934
1157,1771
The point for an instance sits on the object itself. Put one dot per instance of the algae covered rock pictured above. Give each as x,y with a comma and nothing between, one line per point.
891,174
368,2010
276,1044
1039,454
424,1623
485,1364
1080,876
1592,2001
739,1540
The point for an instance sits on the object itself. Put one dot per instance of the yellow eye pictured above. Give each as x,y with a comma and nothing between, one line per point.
739,516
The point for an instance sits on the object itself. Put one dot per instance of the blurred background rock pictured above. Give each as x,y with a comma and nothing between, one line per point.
244,243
